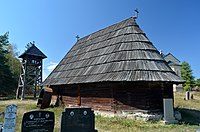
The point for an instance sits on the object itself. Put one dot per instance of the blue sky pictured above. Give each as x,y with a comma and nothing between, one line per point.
171,25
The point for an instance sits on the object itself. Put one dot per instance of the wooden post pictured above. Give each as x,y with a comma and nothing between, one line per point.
79,96
17,94
24,78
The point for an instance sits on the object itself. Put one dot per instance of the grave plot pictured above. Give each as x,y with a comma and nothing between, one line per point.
38,121
78,120
10,118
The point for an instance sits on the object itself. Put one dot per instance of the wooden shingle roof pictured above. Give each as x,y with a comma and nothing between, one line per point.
121,52
33,51
172,60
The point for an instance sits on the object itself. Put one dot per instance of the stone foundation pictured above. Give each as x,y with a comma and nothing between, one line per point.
158,116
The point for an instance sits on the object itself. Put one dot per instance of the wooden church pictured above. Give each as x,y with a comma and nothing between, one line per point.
114,69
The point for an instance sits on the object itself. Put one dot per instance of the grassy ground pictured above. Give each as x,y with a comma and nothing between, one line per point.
190,111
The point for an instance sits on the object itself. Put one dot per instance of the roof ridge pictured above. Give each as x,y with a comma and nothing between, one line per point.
172,56
33,51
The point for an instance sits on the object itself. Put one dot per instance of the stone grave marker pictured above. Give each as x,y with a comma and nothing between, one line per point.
46,98
169,112
10,118
187,95
1,126
38,121
78,120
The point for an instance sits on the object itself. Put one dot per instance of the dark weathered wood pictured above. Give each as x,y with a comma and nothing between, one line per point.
114,69
97,103
121,52
46,98
31,71
119,96
72,101
79,96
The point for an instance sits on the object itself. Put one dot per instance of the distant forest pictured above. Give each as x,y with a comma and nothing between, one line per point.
9,66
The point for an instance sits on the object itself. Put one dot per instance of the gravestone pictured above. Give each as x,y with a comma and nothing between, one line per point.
10,118
39,103
38,121
187,95
78,120
192,96
1,126
46,98
169,112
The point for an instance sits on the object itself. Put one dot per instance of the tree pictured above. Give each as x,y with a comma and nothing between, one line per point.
12,61
9,71
4,41
187,76
5,74
197,82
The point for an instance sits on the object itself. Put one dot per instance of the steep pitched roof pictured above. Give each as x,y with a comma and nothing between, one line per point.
33,51
171,60
120,52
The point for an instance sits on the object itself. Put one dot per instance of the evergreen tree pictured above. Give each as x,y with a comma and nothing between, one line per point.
187,76
197,82
9,71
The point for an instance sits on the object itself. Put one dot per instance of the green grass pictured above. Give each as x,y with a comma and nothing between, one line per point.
189,109
127,125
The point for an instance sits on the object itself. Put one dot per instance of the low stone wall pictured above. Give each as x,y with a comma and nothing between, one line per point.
158,116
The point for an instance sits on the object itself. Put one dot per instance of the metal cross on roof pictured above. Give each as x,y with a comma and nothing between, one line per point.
136,13
77,37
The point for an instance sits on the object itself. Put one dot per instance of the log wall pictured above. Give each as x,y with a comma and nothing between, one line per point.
121,96
142,96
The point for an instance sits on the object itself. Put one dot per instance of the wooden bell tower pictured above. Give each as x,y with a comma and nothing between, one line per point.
31,71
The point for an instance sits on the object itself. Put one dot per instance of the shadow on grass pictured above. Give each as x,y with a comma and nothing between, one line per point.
189,116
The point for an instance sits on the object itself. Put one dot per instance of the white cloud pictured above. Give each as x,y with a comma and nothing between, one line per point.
48,68
51,66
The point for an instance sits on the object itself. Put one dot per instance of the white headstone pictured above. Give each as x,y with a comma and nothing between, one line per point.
187,95
198,130
10,118
169,111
